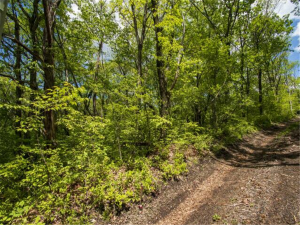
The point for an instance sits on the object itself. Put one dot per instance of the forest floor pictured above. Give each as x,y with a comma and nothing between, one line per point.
255,181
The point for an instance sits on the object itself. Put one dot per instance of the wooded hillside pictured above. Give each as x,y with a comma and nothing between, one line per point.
100,101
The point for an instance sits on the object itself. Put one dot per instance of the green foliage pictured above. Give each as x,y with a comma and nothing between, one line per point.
83,173
174,168
216,218
136,89
236,129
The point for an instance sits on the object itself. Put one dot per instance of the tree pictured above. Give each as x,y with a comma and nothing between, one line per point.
91,103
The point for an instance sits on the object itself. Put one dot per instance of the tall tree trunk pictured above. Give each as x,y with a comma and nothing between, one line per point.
33,25
102,106
139,63
289,91
2,16
49,83
260,97
164,96
140,38
96,77
33,81
94,104
214,104
49,79
247,90
17,70
197,107
242,86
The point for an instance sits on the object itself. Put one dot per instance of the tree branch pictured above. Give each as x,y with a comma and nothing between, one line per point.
23,10
205,14
8,76
23,46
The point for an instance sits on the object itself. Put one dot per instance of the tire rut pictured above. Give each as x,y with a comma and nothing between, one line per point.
255,181
181,213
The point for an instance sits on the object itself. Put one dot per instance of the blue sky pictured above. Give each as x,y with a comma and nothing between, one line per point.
295,56
283,8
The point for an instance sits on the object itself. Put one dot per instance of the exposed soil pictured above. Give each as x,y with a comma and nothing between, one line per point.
256,181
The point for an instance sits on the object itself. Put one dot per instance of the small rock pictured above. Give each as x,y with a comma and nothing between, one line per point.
246,201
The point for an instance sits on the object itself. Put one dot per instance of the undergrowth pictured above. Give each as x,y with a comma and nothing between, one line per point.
99,166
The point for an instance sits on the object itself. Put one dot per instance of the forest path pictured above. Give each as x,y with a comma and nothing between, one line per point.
256,181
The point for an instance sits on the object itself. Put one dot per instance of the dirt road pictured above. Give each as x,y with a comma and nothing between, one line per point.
256,181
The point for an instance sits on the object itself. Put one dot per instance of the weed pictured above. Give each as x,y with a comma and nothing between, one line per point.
216,217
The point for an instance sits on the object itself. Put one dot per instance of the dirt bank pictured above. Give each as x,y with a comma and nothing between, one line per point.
255,181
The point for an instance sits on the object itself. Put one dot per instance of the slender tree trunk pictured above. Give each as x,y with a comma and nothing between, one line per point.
214,105
205,109
17,70
242,86
94,104
140,38
290,101
33,25
247,90
102,106
289,91
96,77
33,73
49,83
140,57
260,97
198,116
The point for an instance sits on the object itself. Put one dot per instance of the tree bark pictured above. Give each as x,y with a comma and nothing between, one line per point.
34,20
17,70
164,95
49,79
247,90
2,16
33,73
140,38
260,97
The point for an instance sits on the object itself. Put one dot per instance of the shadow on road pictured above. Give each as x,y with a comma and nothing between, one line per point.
265,149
